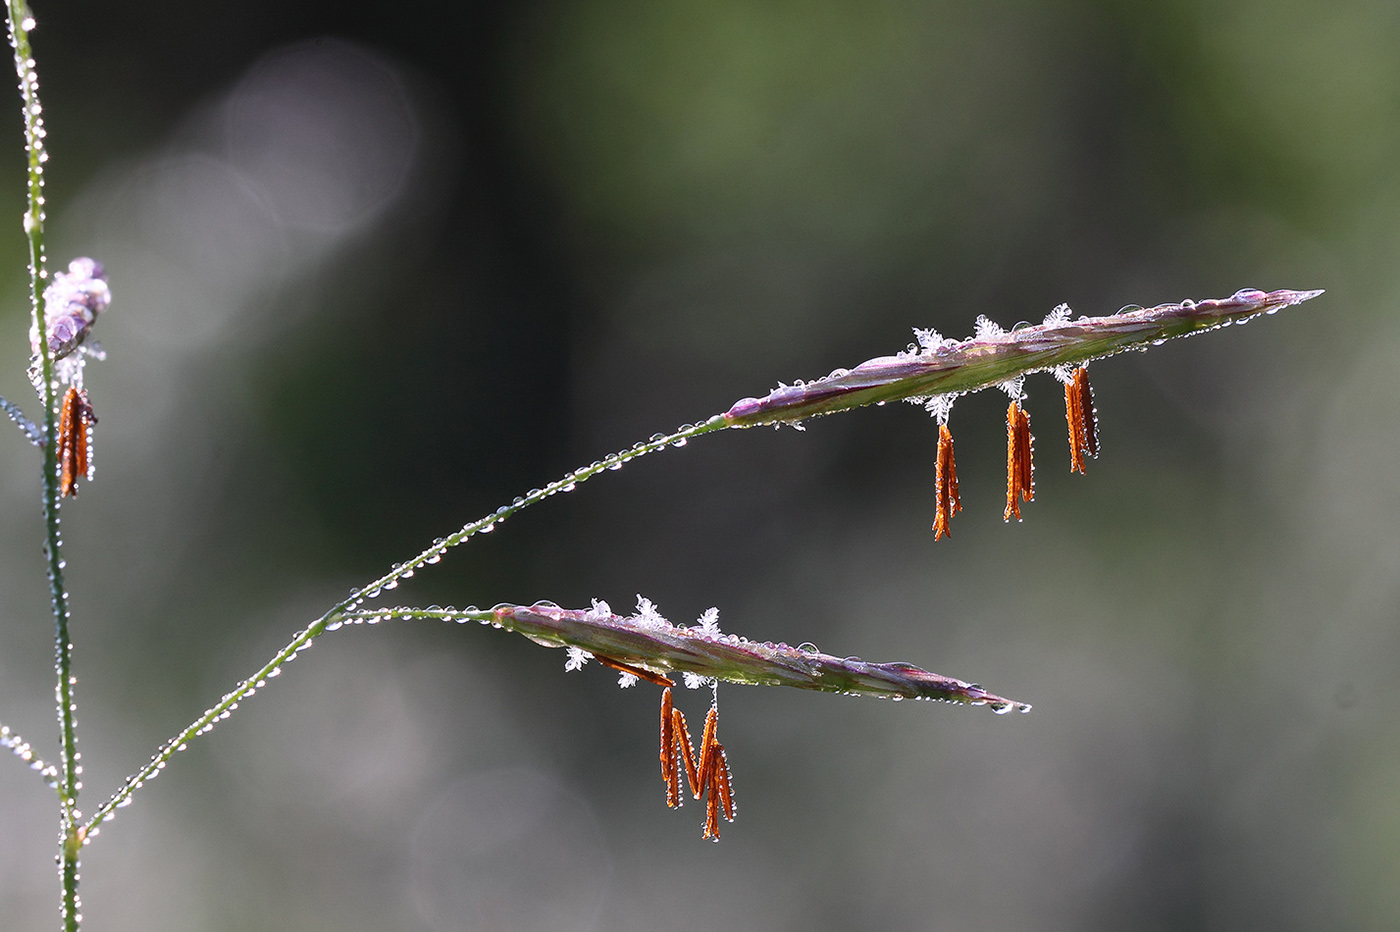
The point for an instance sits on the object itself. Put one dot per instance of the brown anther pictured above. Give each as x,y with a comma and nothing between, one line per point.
709,780
692,773
75,420
1091,417
1080,416
722,784
638,672
711,818
714,777
706,742
946,501
675,749
670,766
1020,473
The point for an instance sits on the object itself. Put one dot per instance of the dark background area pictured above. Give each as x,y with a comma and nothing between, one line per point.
378,271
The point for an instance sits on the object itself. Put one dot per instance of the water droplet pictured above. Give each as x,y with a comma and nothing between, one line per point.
488,528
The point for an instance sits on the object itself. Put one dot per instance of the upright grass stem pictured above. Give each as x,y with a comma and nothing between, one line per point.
20,23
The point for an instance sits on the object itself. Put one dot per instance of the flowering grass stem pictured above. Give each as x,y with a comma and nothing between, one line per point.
941,369
20,23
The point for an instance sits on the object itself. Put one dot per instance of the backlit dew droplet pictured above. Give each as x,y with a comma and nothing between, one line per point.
486,529
434,558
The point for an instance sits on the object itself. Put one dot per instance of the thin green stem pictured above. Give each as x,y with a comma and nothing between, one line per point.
20,23
303,639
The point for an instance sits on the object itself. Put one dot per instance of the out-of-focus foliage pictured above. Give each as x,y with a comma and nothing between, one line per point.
375,274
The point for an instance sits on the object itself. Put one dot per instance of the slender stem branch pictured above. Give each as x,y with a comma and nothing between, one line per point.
20,23
33,431
226,706
25,752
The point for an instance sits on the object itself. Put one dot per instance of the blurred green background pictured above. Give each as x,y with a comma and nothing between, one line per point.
377,271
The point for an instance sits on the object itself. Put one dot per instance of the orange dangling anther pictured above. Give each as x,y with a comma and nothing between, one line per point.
675,750
946,501
75,420
1020,481
714,777
1082,420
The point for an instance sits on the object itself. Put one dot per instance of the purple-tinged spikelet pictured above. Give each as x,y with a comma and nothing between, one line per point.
993,357
661,648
